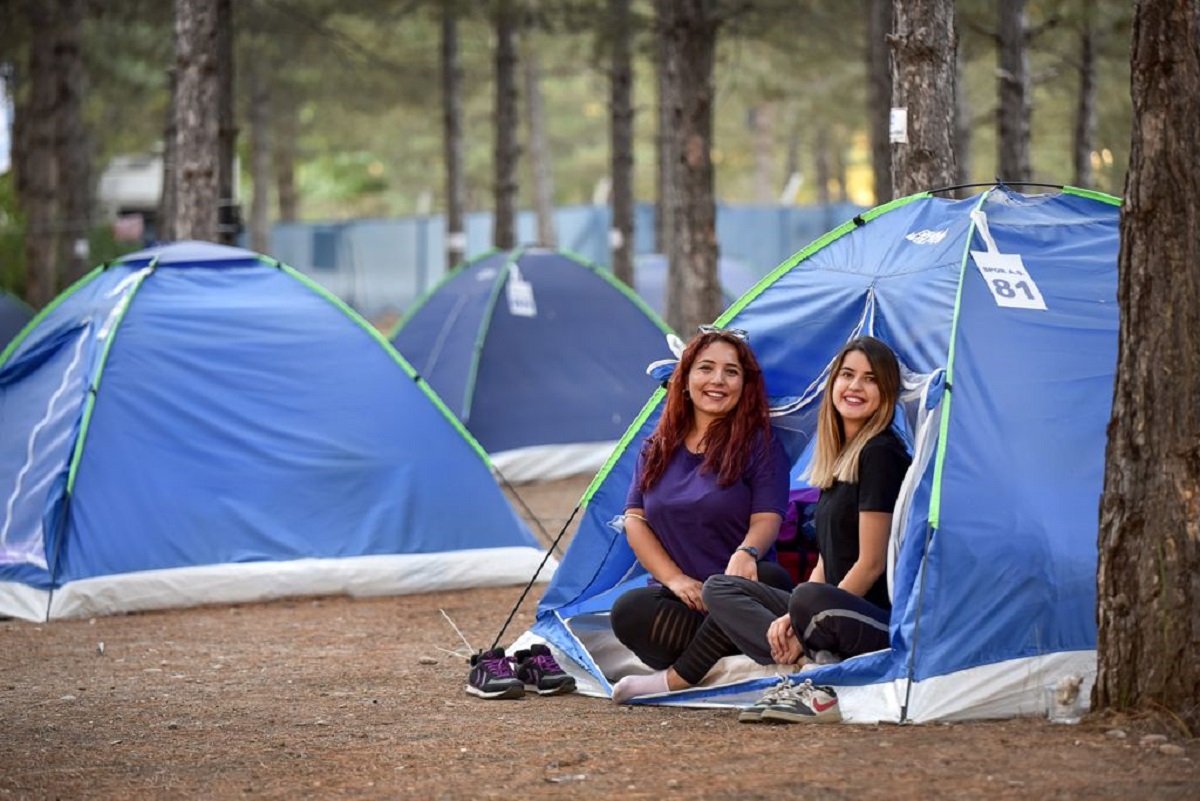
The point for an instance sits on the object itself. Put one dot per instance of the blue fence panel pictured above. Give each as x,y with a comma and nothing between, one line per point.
383,265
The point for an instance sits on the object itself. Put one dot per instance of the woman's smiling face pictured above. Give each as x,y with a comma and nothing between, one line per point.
715,381
855,393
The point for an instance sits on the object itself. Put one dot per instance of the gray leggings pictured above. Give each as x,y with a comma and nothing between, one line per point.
824,617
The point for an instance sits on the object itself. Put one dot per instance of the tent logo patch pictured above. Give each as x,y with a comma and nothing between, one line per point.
926,237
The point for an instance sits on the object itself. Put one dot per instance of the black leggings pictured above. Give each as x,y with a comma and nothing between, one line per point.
824,617
663,632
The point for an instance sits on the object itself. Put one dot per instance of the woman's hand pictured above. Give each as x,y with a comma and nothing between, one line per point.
688,590
742,564
785,646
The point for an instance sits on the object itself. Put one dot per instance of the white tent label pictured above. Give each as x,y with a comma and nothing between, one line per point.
520,295
1008,280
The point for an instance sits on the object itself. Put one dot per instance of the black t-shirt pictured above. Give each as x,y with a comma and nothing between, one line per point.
881,468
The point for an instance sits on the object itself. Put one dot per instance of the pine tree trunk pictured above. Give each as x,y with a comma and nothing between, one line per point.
452,116
963,123
1085,109
165,221
667,63
762,119
228,222
1149,576
196,120
693,289
287,130
879,75
508,152
39,172
1013,162
260,158
821,165
621,141
540,161
923,58
74,148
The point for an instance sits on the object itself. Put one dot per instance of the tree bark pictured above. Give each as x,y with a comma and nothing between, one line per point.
667,63
540,161
228,215
963,123
762,121
1013,163
73,145
621,141
260,158
1149,574
822,165
508,152
452,117
923,81
39,172
196,120
693,289
879,75
287,130
1085,108
165,222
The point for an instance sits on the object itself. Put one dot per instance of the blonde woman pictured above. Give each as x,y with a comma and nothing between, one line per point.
843,610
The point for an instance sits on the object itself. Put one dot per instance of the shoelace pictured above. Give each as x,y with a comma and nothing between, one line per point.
546,663
498,666
778,691
801,692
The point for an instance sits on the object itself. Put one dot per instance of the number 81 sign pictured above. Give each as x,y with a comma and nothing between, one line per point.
1008,280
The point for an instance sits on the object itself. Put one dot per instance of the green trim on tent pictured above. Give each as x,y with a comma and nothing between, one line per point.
421,301
1092,194
621,287
751,294
51,306
86,420
396,356
485,322
814,246
935,497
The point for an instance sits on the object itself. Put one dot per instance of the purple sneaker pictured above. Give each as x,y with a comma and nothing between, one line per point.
539,672
492,676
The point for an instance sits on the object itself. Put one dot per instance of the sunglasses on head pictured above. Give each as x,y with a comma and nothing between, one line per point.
736,333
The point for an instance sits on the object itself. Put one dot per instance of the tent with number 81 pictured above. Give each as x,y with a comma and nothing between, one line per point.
1002,309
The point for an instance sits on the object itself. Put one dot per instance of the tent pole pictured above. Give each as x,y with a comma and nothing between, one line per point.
536,573
912,652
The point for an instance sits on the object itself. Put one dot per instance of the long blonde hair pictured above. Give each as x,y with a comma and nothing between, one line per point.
834,459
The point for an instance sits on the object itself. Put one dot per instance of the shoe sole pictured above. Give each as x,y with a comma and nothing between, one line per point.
515,691
561,689
779,716
750,716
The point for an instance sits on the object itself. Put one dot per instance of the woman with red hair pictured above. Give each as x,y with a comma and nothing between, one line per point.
708,495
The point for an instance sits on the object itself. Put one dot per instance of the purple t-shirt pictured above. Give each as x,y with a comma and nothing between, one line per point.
699,522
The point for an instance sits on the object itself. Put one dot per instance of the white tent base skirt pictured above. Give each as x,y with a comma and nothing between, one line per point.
1013,688
549,462
247,582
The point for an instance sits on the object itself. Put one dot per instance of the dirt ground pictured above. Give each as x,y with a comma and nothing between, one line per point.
358,698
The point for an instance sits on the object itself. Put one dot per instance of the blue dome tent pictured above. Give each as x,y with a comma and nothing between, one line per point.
14,314
542,357
201,424
1002,308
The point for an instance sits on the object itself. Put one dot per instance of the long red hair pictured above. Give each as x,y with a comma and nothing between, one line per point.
729,439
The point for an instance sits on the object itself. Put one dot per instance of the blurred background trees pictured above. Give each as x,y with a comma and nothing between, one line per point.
339,111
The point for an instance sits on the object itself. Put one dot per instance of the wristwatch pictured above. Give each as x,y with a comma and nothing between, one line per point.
750,549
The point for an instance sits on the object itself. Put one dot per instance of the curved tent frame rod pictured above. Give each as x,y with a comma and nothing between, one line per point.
993,184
